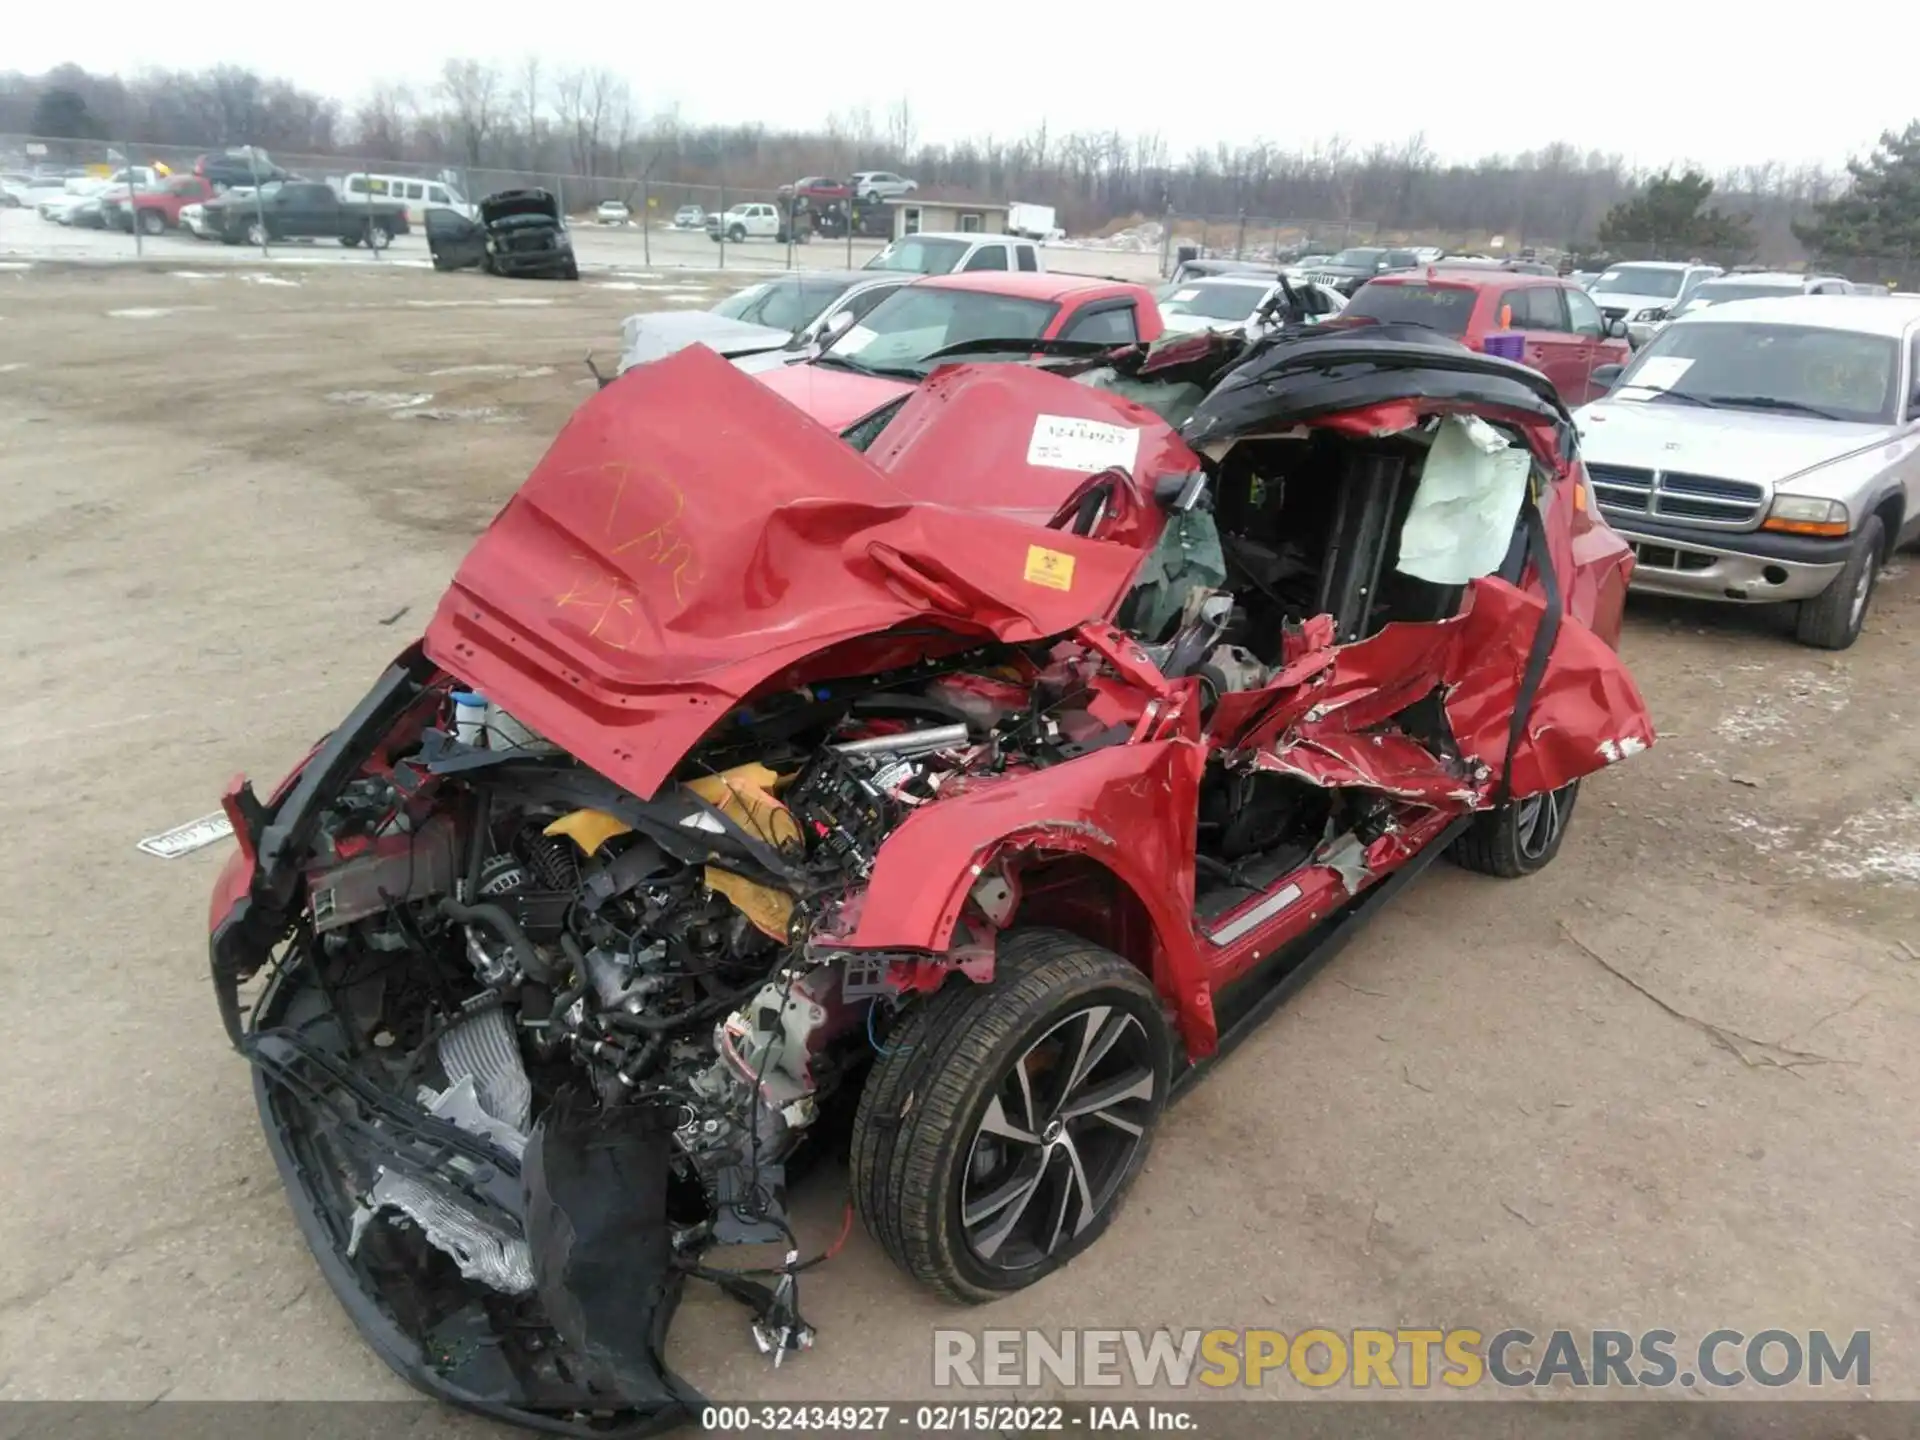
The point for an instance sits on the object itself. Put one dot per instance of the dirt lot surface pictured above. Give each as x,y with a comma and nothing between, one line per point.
1667,1083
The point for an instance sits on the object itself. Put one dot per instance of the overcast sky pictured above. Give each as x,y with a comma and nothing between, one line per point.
1653,83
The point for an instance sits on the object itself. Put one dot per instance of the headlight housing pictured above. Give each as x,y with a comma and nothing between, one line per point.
1806,515
1651,315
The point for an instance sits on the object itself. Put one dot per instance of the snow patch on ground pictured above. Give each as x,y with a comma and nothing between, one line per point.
517,372
154,312
16,264
11,365
479,414
1772,715
521,300
380,399
1881,844
1763,837
616,285
686,299
254,277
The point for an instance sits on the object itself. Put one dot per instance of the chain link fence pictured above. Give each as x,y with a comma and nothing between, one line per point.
1260,239
630,216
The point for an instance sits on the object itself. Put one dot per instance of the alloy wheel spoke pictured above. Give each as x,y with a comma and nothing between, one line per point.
1102,1029
989,1240
995,1122
1080,1185
1017,1189
1025,1082
1134,1084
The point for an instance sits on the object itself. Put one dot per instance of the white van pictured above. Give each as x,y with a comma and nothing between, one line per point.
418,195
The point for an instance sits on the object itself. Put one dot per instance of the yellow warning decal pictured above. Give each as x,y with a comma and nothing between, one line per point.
1051,568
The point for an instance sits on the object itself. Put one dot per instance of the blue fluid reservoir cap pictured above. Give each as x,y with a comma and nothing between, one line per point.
469,697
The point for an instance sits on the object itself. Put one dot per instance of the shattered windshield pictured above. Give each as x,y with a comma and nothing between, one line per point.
908,326
1654,280
920,254
781,304
1792,369
1720,292
1445,308
1214,302
735,306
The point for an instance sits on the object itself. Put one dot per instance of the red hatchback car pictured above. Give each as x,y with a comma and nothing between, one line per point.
896,344
1560,331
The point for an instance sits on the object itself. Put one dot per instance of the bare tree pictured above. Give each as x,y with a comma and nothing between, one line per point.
474,95
901,131
529,105
382,121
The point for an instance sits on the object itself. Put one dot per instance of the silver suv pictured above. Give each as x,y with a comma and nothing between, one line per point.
874,185
1766,450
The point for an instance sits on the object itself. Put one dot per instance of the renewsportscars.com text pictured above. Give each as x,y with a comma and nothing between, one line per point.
1414,1359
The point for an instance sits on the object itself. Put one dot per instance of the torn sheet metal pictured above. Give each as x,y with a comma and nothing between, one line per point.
1460,525
1322,727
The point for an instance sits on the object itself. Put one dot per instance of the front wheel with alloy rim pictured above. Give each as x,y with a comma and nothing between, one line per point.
1832,619
1003,1123
257,234
152,222
377,237
1520,837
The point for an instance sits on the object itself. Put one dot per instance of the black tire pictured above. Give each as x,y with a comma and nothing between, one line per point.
1520,838
152,222
572,272
737,234
873,197
378,236
349,240
921,1138
1832,619
257,234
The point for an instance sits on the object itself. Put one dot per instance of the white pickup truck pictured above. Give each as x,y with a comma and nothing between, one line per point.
929,252
750,220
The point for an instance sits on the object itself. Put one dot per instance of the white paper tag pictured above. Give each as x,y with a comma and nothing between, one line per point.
1660,372
185,839
1184,294
1064,443
857,338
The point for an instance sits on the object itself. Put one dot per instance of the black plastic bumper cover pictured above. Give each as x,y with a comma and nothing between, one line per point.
595,1202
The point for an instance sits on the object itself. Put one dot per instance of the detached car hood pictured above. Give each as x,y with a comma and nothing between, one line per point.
521,205
660,333
1734,444
690,537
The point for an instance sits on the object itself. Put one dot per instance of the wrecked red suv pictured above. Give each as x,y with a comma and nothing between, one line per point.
750,790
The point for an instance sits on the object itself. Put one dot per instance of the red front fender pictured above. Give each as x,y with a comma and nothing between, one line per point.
1130,808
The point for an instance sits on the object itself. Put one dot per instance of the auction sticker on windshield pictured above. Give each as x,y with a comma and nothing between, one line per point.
1661,372
1065,443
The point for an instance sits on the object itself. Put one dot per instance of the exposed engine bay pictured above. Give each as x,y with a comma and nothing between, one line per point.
498,939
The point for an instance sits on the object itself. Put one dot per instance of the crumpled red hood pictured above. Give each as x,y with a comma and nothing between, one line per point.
691,535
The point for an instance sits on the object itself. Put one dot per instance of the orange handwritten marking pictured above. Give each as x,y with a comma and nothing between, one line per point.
661,544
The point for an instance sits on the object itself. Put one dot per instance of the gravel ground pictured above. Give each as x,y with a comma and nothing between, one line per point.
1667,1083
